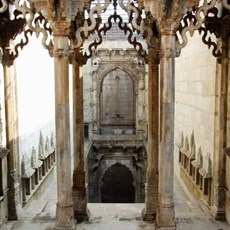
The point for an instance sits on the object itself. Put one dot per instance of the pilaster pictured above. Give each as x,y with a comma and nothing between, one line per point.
64,210
221,137
79,188
165,211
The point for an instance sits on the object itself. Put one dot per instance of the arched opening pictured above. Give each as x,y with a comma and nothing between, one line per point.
117,101
117,185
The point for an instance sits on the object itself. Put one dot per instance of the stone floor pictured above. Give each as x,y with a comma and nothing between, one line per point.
190,215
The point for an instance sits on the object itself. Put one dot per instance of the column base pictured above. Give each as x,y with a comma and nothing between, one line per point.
219,214
151,193
65,228
81,212
165,218
82,215
15,209
165,228
64,217
150,217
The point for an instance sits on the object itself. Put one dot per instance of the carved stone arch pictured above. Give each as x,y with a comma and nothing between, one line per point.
134,73
117,184
117,101
123,162
130,68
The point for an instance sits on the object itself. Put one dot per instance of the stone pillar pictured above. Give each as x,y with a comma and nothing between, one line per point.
11,108
222,136
78,189
151,186
64,210
165,211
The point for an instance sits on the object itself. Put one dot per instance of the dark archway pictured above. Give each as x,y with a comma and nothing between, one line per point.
117,185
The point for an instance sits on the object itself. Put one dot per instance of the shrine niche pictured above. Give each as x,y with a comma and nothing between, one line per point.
117,103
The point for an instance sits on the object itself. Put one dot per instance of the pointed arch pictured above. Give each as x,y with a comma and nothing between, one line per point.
117,185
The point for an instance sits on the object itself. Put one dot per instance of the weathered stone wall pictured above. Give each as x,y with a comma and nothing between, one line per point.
92,65
115,59
195,76
103,62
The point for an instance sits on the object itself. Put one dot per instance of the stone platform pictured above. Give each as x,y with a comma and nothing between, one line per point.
190,215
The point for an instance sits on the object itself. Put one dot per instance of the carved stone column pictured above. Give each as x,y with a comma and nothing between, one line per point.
11,108
64,211
221,126
165,211
78,189
151,187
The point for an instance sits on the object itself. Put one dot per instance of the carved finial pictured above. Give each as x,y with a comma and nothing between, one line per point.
33,157
192,139
41,147
209,168
193,151
23,165
181,138
199,158
186,144
47,145
52,140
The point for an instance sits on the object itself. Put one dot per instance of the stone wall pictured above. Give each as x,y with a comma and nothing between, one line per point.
92,65
195,81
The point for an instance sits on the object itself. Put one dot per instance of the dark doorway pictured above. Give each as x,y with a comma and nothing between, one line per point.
118,185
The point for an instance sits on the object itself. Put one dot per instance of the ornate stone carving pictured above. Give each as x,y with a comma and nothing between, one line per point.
212,24
19,26
90,24
145,27
96,63
4,6
226,4
124,27
199,17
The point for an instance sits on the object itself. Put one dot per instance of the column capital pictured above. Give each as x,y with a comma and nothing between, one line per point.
78,57
168,45
60,28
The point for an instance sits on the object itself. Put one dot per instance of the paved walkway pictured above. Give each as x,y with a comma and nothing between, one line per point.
190,215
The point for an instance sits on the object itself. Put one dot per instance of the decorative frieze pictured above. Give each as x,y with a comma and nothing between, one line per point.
36,167
196,167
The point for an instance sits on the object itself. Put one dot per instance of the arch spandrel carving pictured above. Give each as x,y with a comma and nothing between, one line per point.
129,68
